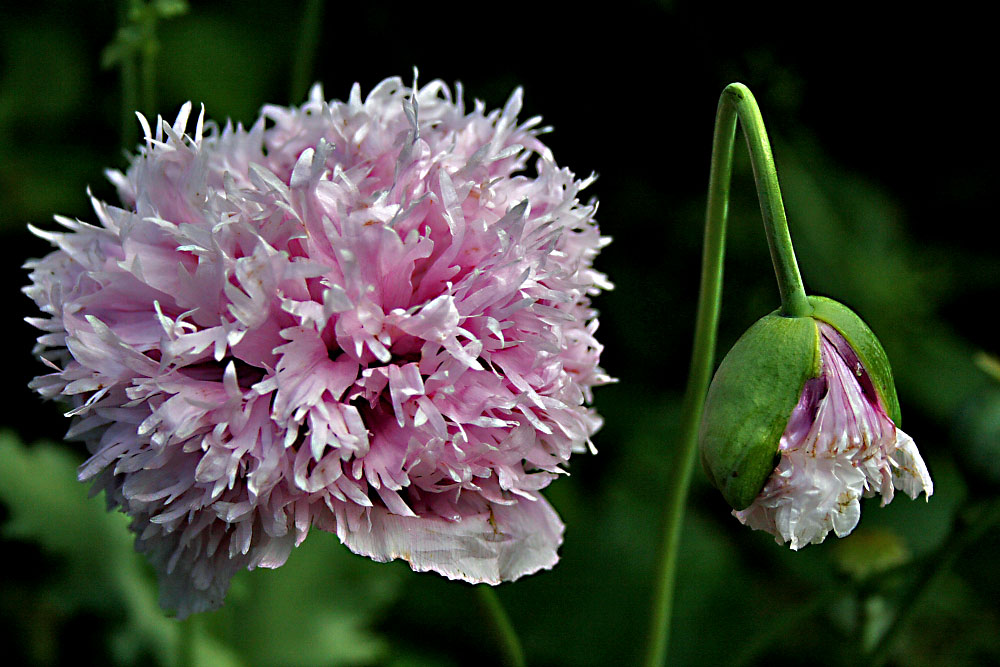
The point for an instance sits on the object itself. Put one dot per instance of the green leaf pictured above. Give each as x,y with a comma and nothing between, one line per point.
169,8
871,551
316,609
989,365
100,570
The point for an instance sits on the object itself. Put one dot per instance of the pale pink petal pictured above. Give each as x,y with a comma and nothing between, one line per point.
499,543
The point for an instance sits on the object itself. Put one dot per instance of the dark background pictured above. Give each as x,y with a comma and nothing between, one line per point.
885,146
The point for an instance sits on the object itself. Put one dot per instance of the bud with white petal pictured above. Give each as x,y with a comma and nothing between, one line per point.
801,422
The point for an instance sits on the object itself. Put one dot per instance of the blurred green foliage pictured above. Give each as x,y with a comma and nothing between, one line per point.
888,181
48,508
317,609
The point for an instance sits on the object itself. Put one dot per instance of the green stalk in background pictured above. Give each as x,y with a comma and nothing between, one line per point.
134,50
305,55
503,629
736,103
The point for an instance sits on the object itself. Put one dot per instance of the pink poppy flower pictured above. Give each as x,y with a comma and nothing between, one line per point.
369,317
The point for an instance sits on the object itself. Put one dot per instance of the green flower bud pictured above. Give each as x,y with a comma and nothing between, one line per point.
750,400
761,381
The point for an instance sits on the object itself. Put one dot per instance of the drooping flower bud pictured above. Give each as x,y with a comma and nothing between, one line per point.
801,422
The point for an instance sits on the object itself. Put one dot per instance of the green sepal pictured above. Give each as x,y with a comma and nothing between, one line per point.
865,345
750,401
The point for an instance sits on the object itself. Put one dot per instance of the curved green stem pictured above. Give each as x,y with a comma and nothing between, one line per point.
736,103
510,645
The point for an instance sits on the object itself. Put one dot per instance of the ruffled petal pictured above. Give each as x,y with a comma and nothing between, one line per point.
909,472
499,543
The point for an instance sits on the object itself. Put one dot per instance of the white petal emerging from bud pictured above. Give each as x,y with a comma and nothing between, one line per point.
838,446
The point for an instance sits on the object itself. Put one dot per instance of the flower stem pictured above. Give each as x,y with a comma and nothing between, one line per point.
736,103
305,55
510,645
129,84
188,628
130,97
737,100
148,69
